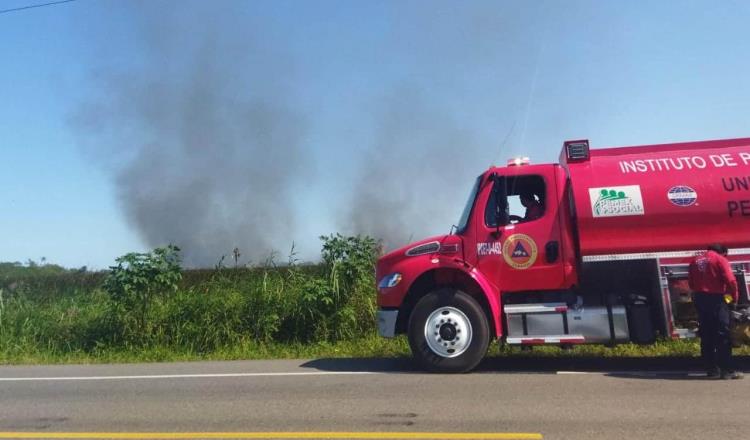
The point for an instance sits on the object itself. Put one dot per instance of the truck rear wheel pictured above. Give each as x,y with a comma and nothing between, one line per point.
448,332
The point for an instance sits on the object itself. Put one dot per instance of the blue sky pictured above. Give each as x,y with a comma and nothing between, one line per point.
536,73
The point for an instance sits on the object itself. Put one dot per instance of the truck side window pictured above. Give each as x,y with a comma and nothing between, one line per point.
526,196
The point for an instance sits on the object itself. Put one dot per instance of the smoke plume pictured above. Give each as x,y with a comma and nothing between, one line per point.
203,144
416,175
208,148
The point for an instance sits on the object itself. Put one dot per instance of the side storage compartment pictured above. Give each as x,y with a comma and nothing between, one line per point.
594,324
536,324
631,291
641,326
557,323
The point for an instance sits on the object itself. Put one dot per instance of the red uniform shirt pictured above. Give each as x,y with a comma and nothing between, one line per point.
533,211
711,273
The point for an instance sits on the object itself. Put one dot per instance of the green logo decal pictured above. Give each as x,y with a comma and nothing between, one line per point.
616,201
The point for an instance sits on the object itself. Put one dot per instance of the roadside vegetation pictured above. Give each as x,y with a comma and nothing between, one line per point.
146,308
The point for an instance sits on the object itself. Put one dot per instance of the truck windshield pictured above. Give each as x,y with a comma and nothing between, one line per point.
464,220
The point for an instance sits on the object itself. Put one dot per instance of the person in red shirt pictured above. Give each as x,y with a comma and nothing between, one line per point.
710,278
534,209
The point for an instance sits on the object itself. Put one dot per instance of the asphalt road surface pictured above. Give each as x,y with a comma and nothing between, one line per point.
383,399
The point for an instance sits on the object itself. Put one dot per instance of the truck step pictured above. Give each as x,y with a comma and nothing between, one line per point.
514,309
546,339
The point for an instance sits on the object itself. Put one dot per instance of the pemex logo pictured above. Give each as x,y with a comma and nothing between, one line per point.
616,201
519,251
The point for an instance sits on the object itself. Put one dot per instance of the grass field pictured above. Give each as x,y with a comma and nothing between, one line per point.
49,314
147,308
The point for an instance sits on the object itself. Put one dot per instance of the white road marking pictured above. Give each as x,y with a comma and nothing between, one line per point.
276,435
187,376
311,373
634,373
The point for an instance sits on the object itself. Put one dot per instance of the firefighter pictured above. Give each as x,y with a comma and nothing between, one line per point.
710,278
534,209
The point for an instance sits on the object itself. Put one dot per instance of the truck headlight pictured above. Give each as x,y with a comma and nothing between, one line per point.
390,280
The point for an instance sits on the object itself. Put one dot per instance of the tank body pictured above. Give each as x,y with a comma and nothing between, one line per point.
658,198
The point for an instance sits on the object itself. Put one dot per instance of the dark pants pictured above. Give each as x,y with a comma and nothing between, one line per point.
716,338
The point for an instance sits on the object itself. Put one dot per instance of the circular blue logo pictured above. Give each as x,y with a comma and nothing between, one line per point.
682,195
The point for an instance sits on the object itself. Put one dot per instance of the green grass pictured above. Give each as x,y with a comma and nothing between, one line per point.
369,346
365,347
147,310
252,319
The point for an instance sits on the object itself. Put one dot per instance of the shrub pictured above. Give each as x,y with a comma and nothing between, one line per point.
134,282
349,262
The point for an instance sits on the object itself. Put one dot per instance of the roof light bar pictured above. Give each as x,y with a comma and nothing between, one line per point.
518,161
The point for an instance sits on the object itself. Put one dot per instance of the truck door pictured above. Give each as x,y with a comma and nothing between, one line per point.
521,248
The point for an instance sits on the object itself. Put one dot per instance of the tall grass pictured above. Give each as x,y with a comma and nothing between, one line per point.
224,310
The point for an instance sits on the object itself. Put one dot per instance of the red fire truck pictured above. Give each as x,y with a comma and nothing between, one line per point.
591,250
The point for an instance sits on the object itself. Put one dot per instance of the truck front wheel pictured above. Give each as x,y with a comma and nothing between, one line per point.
448,332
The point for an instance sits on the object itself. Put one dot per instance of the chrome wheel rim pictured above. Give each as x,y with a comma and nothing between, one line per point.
448,332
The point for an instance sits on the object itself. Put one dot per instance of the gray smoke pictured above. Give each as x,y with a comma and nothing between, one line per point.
208,148
416,175
200,136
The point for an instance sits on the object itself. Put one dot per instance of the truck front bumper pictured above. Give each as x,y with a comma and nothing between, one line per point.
387,322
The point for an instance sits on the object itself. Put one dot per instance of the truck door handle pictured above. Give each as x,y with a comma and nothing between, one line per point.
551,251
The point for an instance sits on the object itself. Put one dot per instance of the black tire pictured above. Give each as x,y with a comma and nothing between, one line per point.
437,358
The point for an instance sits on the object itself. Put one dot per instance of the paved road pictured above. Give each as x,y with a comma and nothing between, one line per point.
607,399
